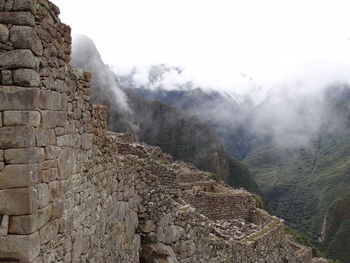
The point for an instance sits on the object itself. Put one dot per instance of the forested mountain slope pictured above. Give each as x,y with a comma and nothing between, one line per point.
310,186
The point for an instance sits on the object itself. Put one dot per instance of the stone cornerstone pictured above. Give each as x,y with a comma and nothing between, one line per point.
70,191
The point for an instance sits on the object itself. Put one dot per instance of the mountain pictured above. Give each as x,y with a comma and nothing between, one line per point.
294,142
309,186
183,136
225,113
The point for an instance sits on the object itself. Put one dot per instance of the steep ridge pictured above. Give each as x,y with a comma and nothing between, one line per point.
70,191
177,133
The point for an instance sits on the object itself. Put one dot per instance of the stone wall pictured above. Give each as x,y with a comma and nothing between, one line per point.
222,205
70,191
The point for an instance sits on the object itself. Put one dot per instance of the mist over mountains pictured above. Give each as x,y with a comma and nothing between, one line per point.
293,137
182,135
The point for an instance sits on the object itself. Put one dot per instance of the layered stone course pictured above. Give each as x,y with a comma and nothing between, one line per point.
70,191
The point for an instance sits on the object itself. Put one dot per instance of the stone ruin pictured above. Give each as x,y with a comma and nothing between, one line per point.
71,191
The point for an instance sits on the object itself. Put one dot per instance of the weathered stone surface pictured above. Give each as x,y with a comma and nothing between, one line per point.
18,201
2,5
4,33
19,118
4,225
148,226
17,59
19,175
131,223
52,152
48,232
57,209
1,155
65,163
52,100
8,5
54,190
16,137
52,119
120,211
45,137
17,98
157,252
6,77
172,234
24,37
86,141
43,195
26,78
48,164
26,248
49,175
23,225
17,18
24,155
24,5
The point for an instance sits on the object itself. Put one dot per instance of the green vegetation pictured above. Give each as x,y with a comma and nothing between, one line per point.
309,186
259,201
303,240
214,177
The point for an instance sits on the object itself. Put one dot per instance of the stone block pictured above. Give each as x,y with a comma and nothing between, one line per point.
43,195
51,119
28,224
57,209
6,77
18,201
24,5
4,33
66,163
17,59
17,98
49,175
26,248
172,234
49,232
19,118
54,189
24,37
131,223
8,5
4,225
19,175
0,119
52,152
16,137
1,155
26,78
17,18
48,164
86,141
51,100
60,86
24,155
42,137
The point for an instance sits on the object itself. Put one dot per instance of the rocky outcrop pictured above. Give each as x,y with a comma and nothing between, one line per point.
70,191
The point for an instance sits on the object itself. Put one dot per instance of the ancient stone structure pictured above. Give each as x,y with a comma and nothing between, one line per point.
70,191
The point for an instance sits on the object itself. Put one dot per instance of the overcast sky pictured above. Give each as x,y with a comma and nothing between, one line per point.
215,40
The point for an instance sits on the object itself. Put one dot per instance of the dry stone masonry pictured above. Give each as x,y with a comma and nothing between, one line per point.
70,191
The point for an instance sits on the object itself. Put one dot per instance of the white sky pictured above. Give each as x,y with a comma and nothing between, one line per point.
216,39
